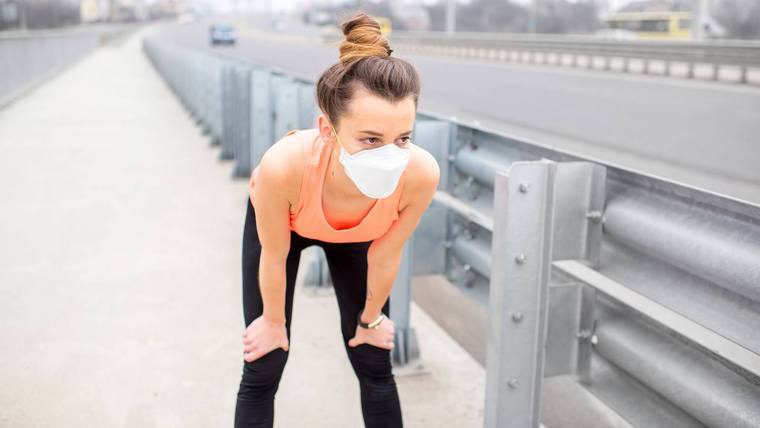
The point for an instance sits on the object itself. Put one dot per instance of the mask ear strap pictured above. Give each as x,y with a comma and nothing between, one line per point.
335,149
336,140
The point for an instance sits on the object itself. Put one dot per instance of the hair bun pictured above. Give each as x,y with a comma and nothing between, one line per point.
363,39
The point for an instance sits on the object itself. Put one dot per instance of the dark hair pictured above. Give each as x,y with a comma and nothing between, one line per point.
364,60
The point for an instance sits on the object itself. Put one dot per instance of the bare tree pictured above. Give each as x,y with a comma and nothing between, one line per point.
741,18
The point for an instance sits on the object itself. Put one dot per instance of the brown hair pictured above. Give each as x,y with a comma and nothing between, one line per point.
364,60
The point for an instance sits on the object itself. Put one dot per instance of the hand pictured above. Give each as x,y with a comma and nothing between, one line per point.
382,336
263,336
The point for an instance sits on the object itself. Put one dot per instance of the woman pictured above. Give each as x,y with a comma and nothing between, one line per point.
357,187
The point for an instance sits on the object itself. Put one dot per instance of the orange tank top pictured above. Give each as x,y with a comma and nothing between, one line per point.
309,220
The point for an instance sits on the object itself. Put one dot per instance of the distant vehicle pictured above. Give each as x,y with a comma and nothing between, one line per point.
186,18
222,34
665,25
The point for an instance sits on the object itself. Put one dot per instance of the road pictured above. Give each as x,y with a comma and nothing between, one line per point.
700,133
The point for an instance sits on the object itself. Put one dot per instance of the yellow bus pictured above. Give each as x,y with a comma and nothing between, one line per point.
664,25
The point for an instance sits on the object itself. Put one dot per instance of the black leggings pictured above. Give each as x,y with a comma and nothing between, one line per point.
372,365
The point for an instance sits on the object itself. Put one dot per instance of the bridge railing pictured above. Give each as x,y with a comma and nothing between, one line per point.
585,51
28,58
644,293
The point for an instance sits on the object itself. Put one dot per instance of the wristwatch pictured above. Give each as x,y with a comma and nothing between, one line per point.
373,324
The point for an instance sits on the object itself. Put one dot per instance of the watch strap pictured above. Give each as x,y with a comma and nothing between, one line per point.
373,324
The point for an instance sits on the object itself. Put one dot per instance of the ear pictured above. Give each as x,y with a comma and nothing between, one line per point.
323,125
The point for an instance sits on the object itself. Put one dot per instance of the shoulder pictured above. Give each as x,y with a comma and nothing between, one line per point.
422,177
284,155
282,163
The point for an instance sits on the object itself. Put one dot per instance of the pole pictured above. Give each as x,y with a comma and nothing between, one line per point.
699,19
451,14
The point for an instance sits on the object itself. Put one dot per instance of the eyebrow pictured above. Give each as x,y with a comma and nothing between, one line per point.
380,135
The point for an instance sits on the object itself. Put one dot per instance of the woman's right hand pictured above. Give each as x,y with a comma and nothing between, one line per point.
263,336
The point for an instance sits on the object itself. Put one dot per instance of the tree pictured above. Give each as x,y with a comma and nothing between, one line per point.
741,18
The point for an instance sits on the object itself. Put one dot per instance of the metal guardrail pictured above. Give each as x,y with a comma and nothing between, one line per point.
569,49
645,292
28,58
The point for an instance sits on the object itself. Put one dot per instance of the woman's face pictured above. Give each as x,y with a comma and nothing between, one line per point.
371,122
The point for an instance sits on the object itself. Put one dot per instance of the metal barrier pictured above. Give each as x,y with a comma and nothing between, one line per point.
643,292
28,58
568,49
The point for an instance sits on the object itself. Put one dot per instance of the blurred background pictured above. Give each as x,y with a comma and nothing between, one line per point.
664,19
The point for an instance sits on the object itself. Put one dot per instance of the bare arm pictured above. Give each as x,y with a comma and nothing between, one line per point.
384,254
272,208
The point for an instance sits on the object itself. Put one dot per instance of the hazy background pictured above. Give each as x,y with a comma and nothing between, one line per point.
729,18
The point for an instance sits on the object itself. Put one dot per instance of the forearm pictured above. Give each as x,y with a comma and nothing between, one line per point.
272,285
380,278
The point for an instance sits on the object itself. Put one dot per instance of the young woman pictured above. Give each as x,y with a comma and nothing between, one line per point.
356,186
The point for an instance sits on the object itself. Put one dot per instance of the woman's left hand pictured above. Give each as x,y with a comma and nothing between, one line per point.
382,336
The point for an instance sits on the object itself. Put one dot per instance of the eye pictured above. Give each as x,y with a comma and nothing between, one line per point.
405,140
373,139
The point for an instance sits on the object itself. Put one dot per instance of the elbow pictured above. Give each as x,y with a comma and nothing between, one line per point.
276,253
274,260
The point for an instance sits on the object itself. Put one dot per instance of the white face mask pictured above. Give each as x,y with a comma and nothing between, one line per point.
375,172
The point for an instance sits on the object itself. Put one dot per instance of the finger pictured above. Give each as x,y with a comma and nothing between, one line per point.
251,356
385,345
353,342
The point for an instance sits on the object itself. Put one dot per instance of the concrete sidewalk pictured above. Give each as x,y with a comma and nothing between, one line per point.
120,274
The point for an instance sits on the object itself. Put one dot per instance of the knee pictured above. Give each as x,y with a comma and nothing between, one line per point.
371,363
264,372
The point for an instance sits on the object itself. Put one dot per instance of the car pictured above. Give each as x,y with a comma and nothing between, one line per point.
222,34
186,18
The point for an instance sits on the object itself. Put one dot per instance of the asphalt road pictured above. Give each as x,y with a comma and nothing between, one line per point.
704,134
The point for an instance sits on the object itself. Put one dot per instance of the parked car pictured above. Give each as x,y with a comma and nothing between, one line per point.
223,33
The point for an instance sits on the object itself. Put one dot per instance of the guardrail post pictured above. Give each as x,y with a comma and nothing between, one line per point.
406,349
262,136
242,118
317,278
518,301
285,98
228,111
